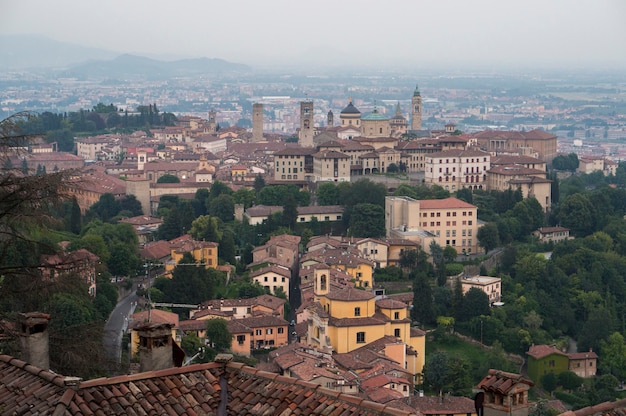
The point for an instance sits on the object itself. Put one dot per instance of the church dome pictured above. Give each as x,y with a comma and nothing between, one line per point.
374,116
350,109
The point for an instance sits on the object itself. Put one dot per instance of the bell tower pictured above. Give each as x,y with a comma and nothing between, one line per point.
212,122
416,111
305,137
330,119
257,122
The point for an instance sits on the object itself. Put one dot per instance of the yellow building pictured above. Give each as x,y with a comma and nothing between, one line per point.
154,316
343,320
202,251
345,259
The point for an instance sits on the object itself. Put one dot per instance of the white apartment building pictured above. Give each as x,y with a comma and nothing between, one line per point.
457,169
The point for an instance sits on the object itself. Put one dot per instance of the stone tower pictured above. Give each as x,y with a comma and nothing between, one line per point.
212,122
330,119
416,111
257,122
305,137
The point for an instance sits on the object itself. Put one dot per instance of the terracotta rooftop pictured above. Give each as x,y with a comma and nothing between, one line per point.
582,355
502,382
390,304
350,294
215,388
446,203
540,351
429,405
616,408
153,316
547,230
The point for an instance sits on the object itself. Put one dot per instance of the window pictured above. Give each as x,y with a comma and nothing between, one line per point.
360,337
396,332
268,331
396,315
234,311
281,330
259,332
241,339
357,311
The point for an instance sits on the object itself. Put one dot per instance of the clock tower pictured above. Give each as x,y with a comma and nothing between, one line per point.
305,136
416,111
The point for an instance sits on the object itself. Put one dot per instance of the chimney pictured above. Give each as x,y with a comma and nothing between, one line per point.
155,346
34,339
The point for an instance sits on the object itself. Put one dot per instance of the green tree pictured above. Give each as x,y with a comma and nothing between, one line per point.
290,211
392,168
217,334
475,303
569,380
106,208
218,188
549,382
171,226
63,137
168,178
530,215
423,310
206,228
327,194
75,217
227,247
222,207
488,236
578,214
436,371
244,196
613,356
465,194
449,254
367,220
199,201
131,205
259,183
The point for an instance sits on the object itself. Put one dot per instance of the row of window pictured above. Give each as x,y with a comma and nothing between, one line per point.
467,169
472,160
326,218
265,279
448,214
269,331
438,223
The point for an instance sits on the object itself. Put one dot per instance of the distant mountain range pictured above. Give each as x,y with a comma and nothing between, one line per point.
36,52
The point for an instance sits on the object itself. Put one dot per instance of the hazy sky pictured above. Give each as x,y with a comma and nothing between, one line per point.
529,33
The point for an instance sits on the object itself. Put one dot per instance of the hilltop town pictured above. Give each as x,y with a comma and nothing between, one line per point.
296,225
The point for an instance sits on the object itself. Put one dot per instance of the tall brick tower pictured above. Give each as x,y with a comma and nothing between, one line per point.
212,121
305,137
257,122
416,111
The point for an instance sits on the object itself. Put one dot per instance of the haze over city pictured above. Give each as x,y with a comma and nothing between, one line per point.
487,34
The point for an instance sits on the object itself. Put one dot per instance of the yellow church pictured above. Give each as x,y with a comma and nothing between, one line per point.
342,320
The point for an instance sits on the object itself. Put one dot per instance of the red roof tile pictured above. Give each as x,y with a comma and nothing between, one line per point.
199,389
